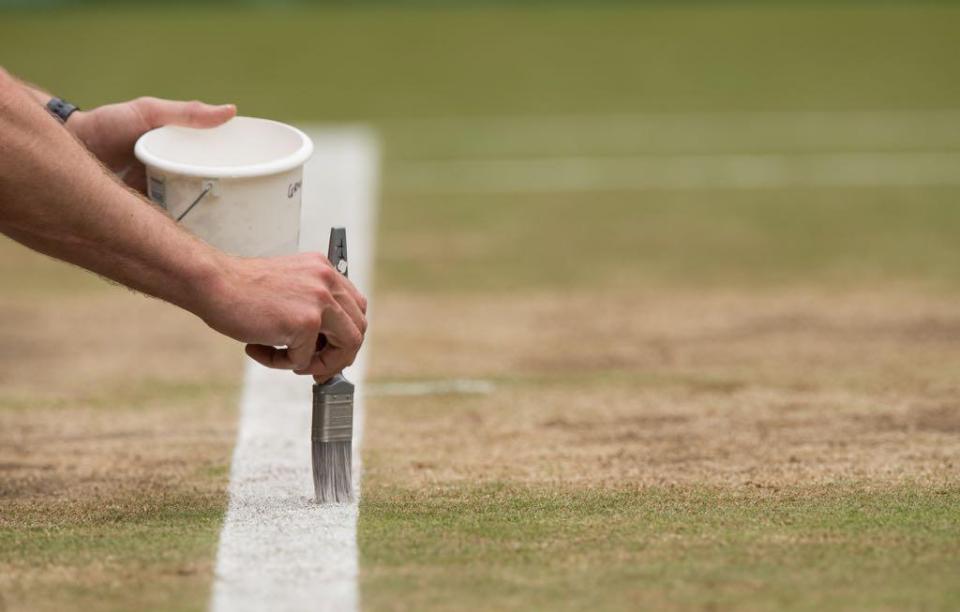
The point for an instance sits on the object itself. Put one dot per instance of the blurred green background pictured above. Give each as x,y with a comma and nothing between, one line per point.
595,85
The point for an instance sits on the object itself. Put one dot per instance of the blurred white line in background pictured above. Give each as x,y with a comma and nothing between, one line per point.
838,126
676,172
455,386
624,135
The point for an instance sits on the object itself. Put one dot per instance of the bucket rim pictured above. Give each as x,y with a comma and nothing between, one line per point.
276,166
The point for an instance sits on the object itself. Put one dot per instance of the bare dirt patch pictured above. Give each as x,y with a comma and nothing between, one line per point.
759,389
105,382
577,332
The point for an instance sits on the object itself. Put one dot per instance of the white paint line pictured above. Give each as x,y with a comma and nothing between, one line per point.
455,386
727,171
279,550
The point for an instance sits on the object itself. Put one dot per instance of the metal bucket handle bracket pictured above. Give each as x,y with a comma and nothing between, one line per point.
210,186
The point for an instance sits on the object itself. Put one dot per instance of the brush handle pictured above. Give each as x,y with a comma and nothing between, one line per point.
337,250
337,254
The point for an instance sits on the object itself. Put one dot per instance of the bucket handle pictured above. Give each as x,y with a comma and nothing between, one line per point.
209,186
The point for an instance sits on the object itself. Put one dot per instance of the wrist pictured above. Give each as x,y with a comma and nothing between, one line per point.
208,282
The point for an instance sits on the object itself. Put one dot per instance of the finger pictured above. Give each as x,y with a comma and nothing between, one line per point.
339,328
190,114
328,362
357,296
269,356
301,353
350,306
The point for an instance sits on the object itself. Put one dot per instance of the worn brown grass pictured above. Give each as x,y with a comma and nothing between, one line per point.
758,389
117,418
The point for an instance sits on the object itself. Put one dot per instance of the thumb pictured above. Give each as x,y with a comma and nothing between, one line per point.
189,114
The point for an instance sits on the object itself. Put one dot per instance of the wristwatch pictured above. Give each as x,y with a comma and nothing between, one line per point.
61,109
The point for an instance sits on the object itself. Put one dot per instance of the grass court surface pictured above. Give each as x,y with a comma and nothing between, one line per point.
706,395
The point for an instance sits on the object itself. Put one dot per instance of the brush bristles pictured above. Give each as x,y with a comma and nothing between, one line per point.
332,472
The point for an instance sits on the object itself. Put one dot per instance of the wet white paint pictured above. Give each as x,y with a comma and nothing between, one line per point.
279,550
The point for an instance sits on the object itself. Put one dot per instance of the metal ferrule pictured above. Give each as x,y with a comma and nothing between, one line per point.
333,411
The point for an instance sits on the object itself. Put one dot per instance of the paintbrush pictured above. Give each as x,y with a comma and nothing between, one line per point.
332,431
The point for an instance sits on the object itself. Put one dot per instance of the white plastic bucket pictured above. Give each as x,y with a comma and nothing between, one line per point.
236,186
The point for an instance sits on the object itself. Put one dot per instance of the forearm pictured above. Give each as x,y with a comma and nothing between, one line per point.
38,95
57,199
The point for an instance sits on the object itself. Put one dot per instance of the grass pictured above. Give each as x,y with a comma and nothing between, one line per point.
719,398
730,448
127,551
180,523
676,548
755,238
112,476
384,62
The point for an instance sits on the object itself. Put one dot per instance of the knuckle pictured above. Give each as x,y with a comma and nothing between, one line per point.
311,320
327,274
323,295
191,111
147,107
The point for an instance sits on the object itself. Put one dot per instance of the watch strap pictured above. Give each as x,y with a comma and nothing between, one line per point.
61,109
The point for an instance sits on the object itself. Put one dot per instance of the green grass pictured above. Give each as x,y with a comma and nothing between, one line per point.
115,553
511,547
761,238
302,63
169,526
